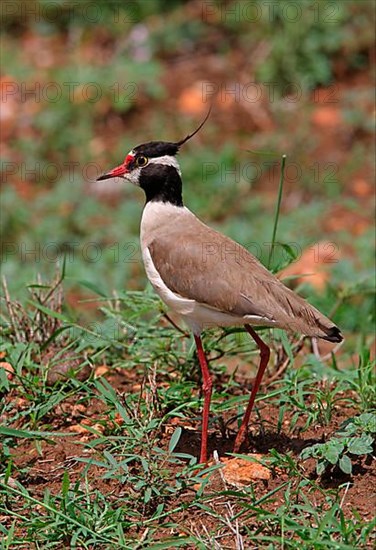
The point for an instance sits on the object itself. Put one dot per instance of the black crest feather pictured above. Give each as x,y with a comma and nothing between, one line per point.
189,136
154,149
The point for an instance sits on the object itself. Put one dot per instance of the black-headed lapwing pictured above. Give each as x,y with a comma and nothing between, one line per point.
204,276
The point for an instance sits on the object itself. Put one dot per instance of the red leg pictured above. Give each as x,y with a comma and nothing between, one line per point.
264,359
207,390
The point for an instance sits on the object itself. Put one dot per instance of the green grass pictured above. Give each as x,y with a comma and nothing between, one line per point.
126,483
107,458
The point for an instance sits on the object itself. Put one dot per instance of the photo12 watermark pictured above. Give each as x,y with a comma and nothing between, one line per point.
126,93
265,92
50,172
130,251
71,251
251,171
224,172
69,91
286,252
80,11
269,11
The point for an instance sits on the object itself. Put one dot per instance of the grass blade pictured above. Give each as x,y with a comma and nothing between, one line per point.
276,216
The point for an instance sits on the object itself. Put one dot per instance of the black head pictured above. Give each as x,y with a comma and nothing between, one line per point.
153,167
154,149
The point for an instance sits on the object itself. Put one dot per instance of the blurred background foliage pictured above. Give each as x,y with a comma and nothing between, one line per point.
83,82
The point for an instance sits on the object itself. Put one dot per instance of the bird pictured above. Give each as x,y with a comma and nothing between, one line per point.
206,277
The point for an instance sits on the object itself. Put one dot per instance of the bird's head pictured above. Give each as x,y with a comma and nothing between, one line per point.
144,160
153,166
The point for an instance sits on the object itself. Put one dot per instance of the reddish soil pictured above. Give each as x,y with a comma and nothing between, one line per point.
43,467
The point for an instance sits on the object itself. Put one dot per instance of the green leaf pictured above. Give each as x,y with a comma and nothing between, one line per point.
345,464
277,210
65,484
93,287
173,543
11,432
368,422
348,428
333,451
174,440
321,466
4,382
312,451
360,445
147,496
48,311
291,251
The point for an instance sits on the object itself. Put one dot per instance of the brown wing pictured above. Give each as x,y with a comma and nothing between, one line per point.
198,263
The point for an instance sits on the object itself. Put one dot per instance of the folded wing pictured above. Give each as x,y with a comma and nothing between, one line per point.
198,263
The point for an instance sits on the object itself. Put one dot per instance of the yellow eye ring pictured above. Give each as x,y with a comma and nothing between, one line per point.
142,161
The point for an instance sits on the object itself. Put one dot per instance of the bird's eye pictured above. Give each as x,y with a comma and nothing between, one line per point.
142,161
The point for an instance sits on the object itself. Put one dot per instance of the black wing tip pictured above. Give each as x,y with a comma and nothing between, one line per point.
333,334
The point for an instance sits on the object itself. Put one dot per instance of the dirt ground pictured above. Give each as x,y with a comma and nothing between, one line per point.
46,463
